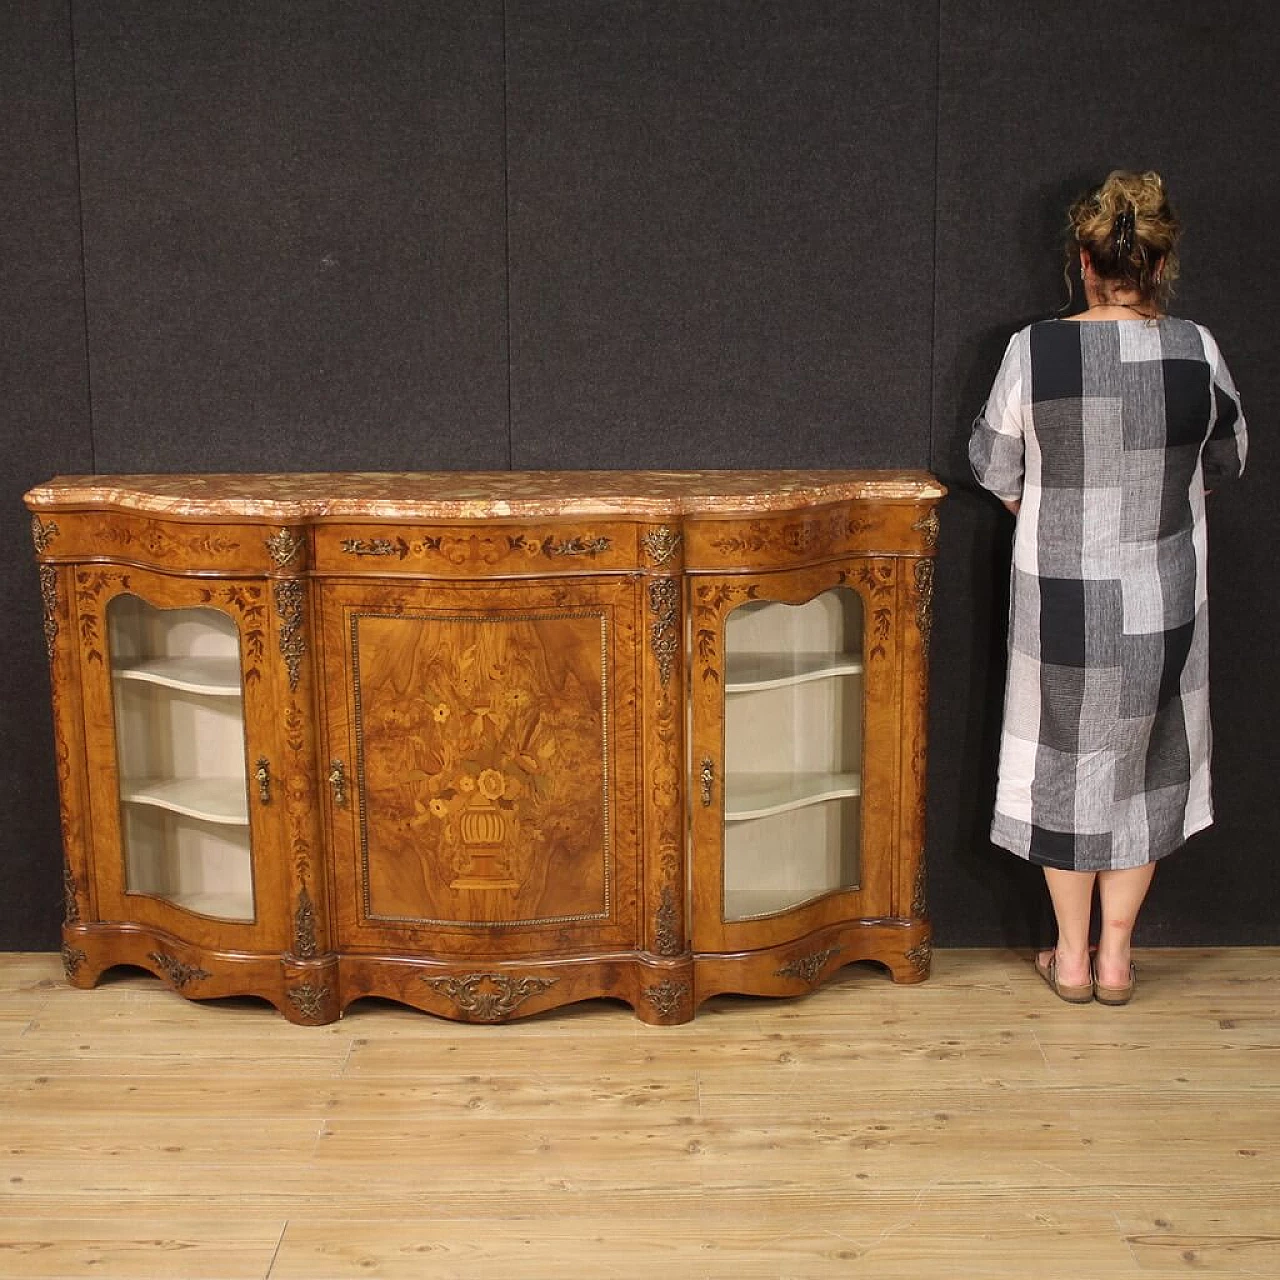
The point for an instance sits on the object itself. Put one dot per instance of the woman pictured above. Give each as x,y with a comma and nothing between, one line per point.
1102,434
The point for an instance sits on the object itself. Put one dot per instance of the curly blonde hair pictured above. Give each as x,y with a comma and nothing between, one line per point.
1130,231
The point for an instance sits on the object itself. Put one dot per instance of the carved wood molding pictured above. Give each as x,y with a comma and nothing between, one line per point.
667,996
919,896
661,544
283,546
308,998
72,959
293,646
489,997
664,631
49,598
807,968
43,534
921,957
70,900
928,526
924,603
576,547
665,937
375,547
304,927
178,973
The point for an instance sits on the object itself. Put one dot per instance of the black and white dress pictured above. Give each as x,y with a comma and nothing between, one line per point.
1109,432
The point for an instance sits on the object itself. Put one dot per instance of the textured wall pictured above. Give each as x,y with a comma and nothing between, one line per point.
253,234
294,233
721,233
44,429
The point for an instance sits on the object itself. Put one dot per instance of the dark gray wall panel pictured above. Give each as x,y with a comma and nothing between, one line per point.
45,429
722,253
721,232
294,233
1030,111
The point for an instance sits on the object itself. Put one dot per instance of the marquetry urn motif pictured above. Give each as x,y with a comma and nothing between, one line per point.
484,764
490,743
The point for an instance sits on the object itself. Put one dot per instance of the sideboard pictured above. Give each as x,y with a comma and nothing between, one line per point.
490,743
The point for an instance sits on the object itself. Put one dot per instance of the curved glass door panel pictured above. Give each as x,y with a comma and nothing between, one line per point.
180,757
793,752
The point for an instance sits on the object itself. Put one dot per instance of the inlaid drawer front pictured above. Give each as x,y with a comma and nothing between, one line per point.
477,549
771,541
159,542
809,536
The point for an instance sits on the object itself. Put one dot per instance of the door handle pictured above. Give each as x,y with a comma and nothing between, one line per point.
338,781
262,776
707,777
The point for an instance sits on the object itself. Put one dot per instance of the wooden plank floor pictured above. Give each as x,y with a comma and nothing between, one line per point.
970,1127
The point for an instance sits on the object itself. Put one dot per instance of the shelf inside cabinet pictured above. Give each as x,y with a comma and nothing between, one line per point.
218,677
747,672
760,795
217,906
220,800
755,904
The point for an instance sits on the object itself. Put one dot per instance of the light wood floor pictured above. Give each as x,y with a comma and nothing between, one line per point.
970,1127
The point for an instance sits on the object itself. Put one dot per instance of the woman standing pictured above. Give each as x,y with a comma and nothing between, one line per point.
1102,434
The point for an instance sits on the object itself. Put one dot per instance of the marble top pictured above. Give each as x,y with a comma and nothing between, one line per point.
456,495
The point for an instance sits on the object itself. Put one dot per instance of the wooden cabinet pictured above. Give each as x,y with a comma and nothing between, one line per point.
490,743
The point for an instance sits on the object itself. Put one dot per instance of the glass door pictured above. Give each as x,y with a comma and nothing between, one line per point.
793,756
181,771
793,753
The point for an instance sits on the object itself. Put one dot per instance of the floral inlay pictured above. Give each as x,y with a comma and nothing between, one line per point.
484,761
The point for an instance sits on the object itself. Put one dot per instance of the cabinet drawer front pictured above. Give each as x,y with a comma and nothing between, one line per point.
807,537
477,550
156,542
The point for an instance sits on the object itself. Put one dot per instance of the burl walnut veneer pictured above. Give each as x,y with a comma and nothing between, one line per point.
487,744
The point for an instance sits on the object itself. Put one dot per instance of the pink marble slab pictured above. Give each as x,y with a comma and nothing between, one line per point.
455,495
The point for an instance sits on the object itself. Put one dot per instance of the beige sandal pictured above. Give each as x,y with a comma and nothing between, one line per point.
1115,995
1072,995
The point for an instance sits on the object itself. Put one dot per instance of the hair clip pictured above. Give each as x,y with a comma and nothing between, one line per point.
1124,231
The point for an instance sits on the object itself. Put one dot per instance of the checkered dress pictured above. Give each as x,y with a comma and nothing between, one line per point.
1109,432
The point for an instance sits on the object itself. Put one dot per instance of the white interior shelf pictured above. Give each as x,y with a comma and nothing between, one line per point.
220,800
207,674
761,795
180,757
793,753
749,672
229,905
754,904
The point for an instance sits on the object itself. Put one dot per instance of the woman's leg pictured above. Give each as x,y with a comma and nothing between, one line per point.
1072,896
1121,894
